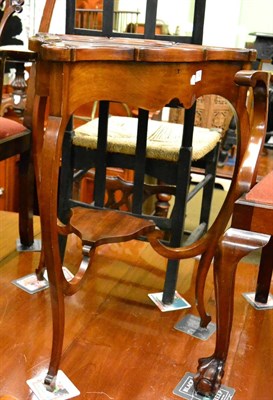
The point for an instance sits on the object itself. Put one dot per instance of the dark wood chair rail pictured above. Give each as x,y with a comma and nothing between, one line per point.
15,137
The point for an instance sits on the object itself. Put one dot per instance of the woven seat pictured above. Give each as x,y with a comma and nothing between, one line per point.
163,139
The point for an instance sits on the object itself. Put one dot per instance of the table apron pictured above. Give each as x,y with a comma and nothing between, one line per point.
145,85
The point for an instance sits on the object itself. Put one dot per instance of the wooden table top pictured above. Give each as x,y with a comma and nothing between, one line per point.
73,48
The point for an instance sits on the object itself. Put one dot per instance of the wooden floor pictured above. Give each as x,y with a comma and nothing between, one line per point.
118,345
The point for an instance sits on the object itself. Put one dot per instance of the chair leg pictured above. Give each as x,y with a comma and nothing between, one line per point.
201,277
210,170
173,265
65,184
234,245
66,177
26,197
265,273
170,281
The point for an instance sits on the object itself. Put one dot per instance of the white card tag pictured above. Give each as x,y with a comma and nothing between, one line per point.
178,303
250,297
64,388
31,284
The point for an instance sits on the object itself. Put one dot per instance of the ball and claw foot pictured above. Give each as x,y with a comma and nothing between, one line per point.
50,382
207,380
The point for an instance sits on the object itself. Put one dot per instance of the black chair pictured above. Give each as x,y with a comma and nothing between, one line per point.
77,160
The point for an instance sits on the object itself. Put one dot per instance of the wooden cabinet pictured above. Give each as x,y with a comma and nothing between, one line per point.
9,184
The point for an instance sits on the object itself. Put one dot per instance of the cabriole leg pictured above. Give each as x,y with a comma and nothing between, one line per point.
234,245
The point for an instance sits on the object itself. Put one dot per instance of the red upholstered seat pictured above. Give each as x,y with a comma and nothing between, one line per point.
9,127
262,192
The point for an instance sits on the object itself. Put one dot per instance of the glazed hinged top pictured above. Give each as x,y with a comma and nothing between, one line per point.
73,48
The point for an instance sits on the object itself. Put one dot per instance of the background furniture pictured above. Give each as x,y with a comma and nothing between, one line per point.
15,139
264,46
228,145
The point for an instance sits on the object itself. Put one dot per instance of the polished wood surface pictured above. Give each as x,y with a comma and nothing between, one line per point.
118,345
72,70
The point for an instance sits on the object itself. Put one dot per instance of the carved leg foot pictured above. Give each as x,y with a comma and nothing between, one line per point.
234,245
210,372
50,257
50,382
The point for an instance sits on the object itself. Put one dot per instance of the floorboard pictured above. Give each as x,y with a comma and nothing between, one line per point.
118,345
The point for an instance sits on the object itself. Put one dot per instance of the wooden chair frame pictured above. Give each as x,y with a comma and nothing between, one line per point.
17,139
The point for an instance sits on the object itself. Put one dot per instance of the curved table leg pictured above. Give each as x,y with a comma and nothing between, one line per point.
234,245
50,161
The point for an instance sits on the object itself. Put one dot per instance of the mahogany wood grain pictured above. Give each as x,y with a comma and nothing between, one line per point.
166,71
117,343
251,229
95,227
107,226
